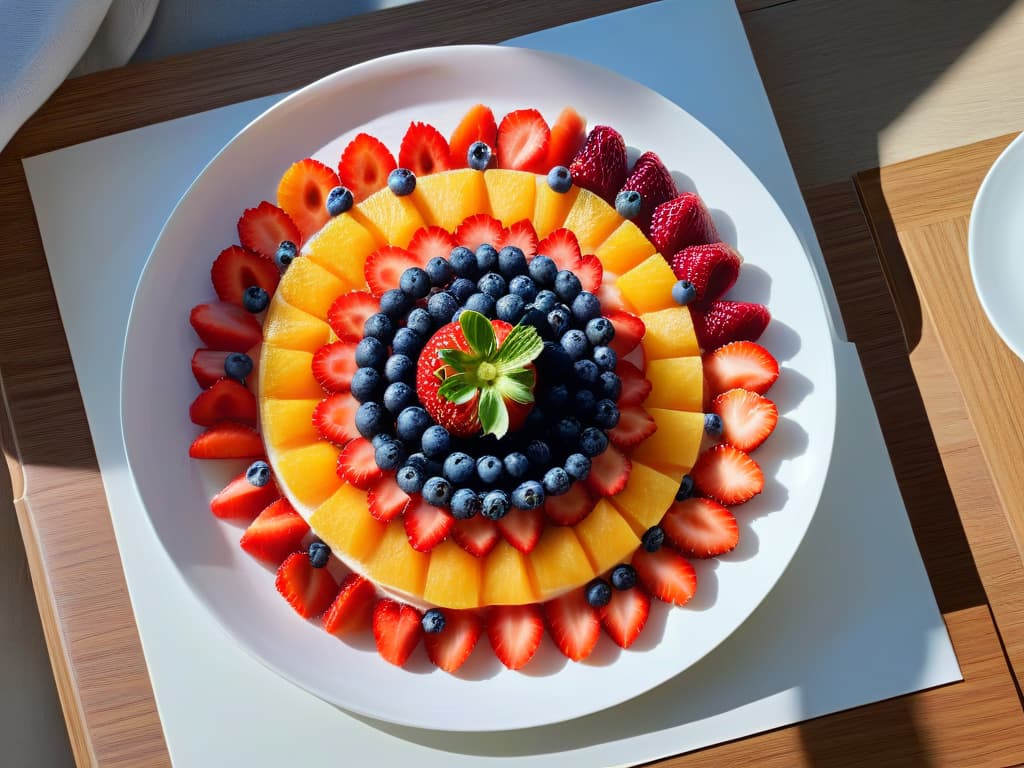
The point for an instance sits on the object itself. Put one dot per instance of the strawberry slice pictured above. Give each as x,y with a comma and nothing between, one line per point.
477,535
302,193
573,623
712,269
365,165
569,508
600,164
450,647
334,365
590,273
348,313
629,330
396,630
562,247
429,242
568,133
478,124
609,472
226,400
426,525
635,387
747,418
652,180
523,140
384,267
611,297
263,228
276,532
227,440
741,364
241,500
522,528
515,632
226,326
335,418
307,589
356,464
386,500
478,229
725,321
625,616
728,475
666,574
522,235
208,366
701,527
235,269
424,150
352,609
635,425
680,222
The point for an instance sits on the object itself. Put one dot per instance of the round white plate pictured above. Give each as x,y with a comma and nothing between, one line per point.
995,244
382,96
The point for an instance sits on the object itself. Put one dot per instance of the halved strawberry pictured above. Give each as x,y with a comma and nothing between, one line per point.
335,418
652,180
226,326
635,425
747,418
265,227
625,616
701,527
523,140
666,575
236,269
276,532
629,330
609,472
385,499
635,387
600,164
590,273
208,366
568,133
241,500
396,629
570,507
680,222
522,528
227,440
741,364
478,124
352,609
477,535
426,526
478,229
226,400
429,242
384,267
574,624
307,589
424,150
450,647
727,474
356,464
562,247
725,321
334,365
302,193
365,165
515,632
522,235
348,313
711,268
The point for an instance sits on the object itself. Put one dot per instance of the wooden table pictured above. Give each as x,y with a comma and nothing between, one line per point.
926,402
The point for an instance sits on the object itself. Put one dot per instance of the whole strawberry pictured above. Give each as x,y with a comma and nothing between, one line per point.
711,268
652,180
680,222
600,165
725,321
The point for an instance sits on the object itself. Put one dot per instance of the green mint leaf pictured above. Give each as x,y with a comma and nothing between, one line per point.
517,386
493,412
457,359
479,333
521,346
458,389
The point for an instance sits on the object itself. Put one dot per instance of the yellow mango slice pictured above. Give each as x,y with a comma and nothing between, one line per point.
288,374
291,328
511,194
624,248
669,333
551,208
341,248
506,577
676,442
344,522
396,564
288,423
648,285
606,537
454,577
558,562
445,199
592,219
309,287
646,497
391,218
676,383
308,472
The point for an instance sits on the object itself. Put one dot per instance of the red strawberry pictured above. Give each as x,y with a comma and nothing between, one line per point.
478,229
263,228
385,499
562,247
477,535
590,273
574,624
302,193
227,440
241,500
680,222
600,164
522,528
635,425
728,475
307,589
334,365
515,632
609,472
352,609
237,269
652,180
335,418
747,418
523,140
701,527
226,400
426,525
226,326
450,647
568,133
712,268
385,266
635,387
396,629
208,366
365,165
666,574
625,616
275,533
522,235
741,364
569,508
629,330
477,125
429,242
356,464
725,321
611,297
424,150
348,313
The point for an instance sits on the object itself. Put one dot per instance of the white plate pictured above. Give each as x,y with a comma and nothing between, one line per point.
437,85
995,244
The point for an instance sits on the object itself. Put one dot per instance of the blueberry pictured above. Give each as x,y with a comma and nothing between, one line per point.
554,362
399,396
463,262
465,504
411,423
600,331
380,327
402,181
462,288
439,271
399,368
489,469
546,300
575,344
653,538
482,303
486,258
609,385
407,342
685,488
395,304
584,403
536,422
367,384
319,554
511,261
559,320
539,453
510,308
255,299
556,397
585,307
577,466
370,419
437,491
516,465
627,203
623,576
390,455
379,439
606,414
567,286
599,593
432,621
441,306
556,481
495,505
428,467
371,353
605,358
258,474
528,495
459,468
436,442
285,254
410,479
713,424
339,200
559,179
419,320
523,287
415,282
534,318
493,284
479,156
586,372
683,292
567,431
543,270
593,442
237,366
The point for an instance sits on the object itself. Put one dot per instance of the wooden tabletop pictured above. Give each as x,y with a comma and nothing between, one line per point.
926,403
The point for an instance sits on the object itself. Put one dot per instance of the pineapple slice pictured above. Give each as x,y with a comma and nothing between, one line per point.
669,333
592,220
676,442
445,199
309,287
288,423
391,218
512,195
506,579
676,383
344,522
551,207
624,249
341,248
308,472
648,285
292,328
454,577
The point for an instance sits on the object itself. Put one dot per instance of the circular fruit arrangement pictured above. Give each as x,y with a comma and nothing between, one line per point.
489,388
